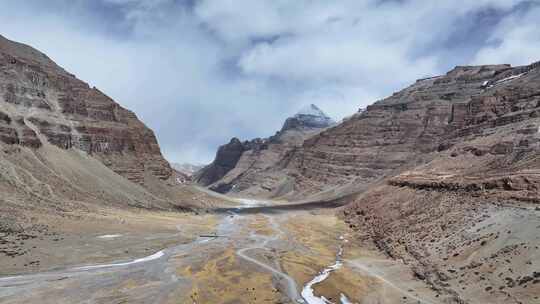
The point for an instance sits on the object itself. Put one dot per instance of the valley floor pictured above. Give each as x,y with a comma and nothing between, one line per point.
148,257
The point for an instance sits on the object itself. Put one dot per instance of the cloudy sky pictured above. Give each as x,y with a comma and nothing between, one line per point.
199,72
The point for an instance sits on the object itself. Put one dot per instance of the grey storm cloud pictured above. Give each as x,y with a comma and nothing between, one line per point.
200,72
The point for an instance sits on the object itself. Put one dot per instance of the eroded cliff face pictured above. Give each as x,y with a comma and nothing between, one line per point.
413,126
42,103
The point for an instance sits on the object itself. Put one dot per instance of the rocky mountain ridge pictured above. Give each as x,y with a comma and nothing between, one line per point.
238,166
67,147
412,126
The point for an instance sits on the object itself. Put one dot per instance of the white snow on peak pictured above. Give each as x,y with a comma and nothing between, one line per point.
312,110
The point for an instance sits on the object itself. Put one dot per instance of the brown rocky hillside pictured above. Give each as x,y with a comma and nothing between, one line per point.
65,146
486,111
41,102
461,206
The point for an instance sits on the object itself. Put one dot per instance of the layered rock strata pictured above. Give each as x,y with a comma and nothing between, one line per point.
431,116
42,103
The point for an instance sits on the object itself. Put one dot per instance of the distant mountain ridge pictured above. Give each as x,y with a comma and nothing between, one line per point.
238,164
187,168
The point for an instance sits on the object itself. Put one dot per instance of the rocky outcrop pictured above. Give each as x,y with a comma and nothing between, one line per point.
226,159
42,103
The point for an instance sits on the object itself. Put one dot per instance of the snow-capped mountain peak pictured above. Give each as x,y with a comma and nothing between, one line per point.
311,110
309,117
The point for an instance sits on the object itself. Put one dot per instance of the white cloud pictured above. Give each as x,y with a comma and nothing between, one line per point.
201,72
516,40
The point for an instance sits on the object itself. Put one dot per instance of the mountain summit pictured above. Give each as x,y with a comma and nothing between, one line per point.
311,110
239,166
309,117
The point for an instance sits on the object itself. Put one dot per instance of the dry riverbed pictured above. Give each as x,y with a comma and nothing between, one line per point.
159,258
77,239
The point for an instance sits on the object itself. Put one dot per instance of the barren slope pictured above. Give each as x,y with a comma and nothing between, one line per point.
66,147
40,102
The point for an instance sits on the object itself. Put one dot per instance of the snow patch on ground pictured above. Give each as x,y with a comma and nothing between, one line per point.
510,78
248,202
152,257
109,236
